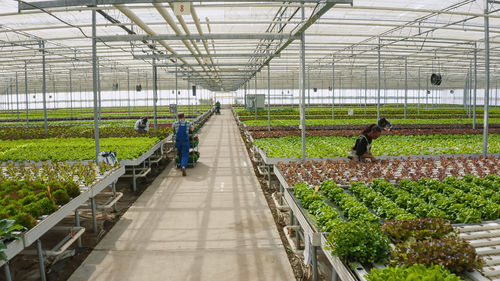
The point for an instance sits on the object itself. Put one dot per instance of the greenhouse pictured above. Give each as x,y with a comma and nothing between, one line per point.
312,140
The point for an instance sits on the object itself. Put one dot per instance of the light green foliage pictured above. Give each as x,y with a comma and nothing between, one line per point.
356,241
393,145
412,273
73,149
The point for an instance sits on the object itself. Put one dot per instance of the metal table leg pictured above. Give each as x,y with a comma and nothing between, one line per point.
113,188
335,276
77,223
315,263
269,175
94,211
297,236
134,184
7,272
41,260
282,192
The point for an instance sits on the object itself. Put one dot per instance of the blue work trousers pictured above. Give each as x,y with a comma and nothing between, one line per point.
183,149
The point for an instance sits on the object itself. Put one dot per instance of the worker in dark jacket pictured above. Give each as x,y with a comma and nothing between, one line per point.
217,107
181,131
362,149
384,124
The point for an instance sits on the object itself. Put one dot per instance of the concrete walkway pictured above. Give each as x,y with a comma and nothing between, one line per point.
213,224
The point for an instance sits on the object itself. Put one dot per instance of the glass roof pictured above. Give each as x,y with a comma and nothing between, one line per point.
223,44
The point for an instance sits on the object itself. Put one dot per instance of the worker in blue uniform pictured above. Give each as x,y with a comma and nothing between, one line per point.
181,131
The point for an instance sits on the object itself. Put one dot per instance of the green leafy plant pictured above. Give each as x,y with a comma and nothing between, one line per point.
394,145
73,149
451,252
356,241
416,272
419,229
28,191
8,230
352,209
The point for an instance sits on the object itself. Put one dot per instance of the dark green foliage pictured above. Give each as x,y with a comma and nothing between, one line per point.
60,196
451,252
48,206
25,220
72,188
28,199
401,230
34,209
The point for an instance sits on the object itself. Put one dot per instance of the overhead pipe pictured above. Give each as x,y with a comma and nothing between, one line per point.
133,17
164,13
200,31
186,30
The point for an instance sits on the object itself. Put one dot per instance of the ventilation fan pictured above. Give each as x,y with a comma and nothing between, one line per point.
436,79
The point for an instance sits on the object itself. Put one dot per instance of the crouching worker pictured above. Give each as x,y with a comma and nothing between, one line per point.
362,149
142,125
384,124
181,131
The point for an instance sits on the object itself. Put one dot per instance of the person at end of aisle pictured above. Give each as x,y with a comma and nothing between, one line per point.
362,148
142,125
181,131
217,107
384,124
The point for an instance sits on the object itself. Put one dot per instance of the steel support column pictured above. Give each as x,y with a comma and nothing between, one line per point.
418,93
94,83
176,94
378,83
54,94
268,99
44,88
26,91
245,93
17,96
155,94
487,76
71,93
99,88
406,86
302,85
366,87
308,90
469,101
255,97
128,91
333,88
475,88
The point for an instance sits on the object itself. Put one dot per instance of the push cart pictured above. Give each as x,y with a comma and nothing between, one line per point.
194,154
